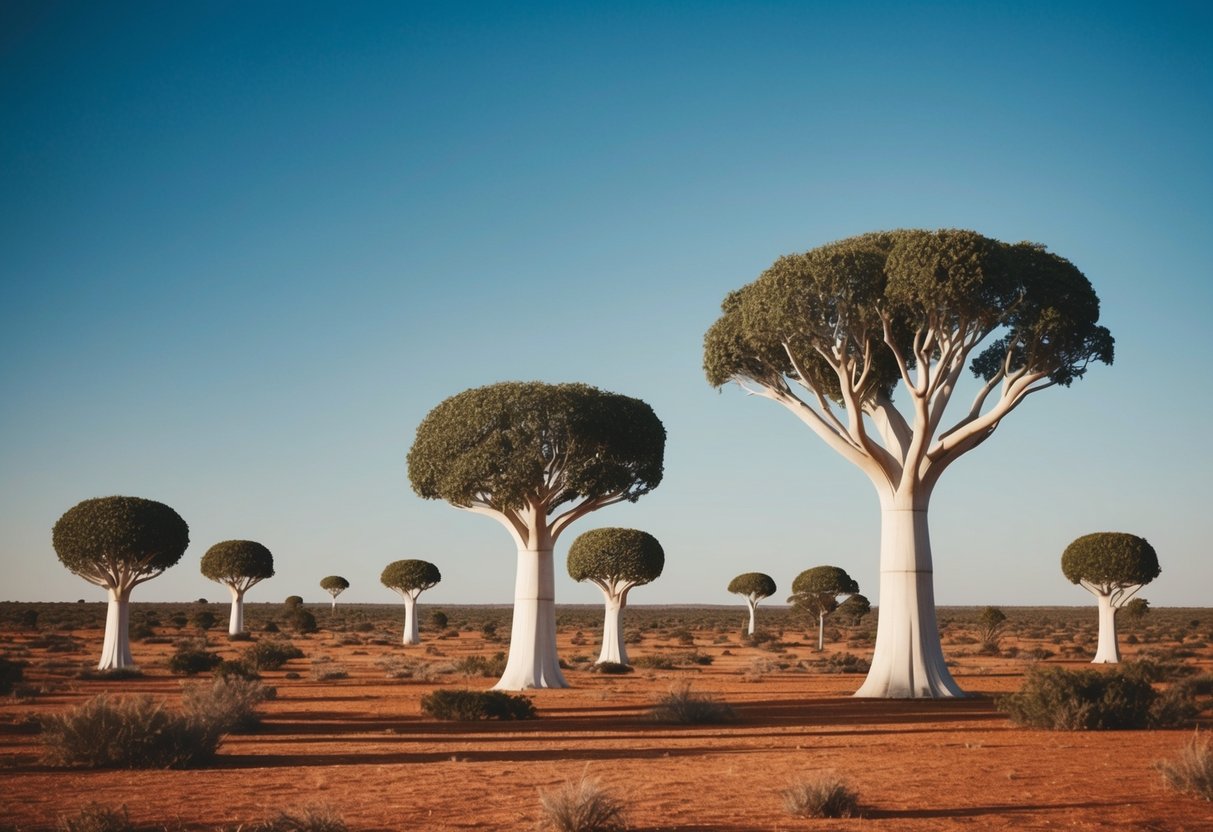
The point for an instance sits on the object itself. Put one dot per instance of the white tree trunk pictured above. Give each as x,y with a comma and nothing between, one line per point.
116,649
411,634
1108,651
333,606
613,649
533,661
235,624
751,602
907,662
821,629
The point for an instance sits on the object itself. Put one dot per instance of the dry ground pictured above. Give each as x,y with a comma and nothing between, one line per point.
361,746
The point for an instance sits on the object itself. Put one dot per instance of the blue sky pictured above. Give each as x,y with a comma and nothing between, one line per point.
248,246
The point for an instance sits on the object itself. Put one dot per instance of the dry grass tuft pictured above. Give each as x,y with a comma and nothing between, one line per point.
823,795
583,806
1192,771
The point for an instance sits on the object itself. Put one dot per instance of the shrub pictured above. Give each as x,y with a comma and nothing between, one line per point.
11,672
131,732
312,819
235,668
481,666
1192,771
293,602
1073,700
226,704
329,672
842,663
439,619
97,818
204,619
824,795
489,630
610,668
189,661
302,621
473,705
655,662
681,706
271,654
583,806
140,631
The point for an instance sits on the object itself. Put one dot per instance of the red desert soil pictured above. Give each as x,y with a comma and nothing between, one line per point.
361,746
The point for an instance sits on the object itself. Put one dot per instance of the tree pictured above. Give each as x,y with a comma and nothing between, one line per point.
239,565
118,543
1137,609
616,561
853,610
1112,566
831,333
815,591
536,457
990,624
410,578
334,585
754,586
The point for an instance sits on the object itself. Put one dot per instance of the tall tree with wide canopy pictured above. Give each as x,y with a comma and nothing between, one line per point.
536,457
410,578
815,592
239,565
1112,566
334,585
831,333
616,561
753,586
118,543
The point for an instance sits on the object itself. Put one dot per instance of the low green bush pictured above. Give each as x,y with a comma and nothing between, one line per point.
482,666
190,661
127,732
226,704
473,705
270,654
612,668
1079,700
683,707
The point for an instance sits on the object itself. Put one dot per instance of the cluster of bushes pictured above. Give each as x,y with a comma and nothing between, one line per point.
475,705
681,706
1076,700
482,666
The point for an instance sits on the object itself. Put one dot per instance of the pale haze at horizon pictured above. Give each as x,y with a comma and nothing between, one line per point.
248,248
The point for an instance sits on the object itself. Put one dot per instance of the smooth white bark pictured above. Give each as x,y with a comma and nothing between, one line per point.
235,624
411,633
613,648
908,658
533,661
821,631
752,603
1108,651
116,648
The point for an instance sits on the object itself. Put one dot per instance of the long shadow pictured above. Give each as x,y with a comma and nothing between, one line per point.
250,761
1003,809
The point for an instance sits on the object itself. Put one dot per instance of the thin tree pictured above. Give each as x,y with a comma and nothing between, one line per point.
239,565
831,333
118,543
334,585
616,561
410,578
1112,566
753,586
815,592
536,457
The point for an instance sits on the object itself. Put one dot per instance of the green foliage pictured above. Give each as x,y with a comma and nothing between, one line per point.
1110,559
439,619
683,707
129,732
190,661
1137,609
11,673
293,601
508,443
334,585
238,563
271,654
1079,700
611,668
203,619
990,624
824,795
410,575
754,584
302,621
105,535
815,591
1192,771
583,806
474,705
480,666
614,555
852,610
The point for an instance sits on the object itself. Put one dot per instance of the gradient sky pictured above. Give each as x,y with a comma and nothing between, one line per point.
247,246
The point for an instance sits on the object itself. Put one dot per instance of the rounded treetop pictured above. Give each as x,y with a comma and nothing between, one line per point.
511,442
131,531
233,559
615,554
332,582
753,583
410,575
829,580
1110,559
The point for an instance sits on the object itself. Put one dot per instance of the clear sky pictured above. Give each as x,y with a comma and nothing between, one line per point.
245,247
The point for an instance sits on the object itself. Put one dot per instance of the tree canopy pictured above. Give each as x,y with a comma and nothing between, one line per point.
410,575
334,583
615,555
1107,560
515,447
755,584
234,561
99,538
824,580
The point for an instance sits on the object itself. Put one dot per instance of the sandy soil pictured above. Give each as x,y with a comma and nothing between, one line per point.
361,746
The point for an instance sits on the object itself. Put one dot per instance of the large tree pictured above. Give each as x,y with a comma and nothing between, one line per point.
536,457
815,592
830,334
753,586
409,578
1112,566
616,561
239,565
118,543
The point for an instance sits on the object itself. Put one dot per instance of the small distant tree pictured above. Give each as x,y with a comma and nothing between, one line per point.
410,578
293,602
815,592
753,586
118,543
853,610
439,619
616,561
536,457
239,565
990,624
1112,566
334,585
204,620
1137,609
